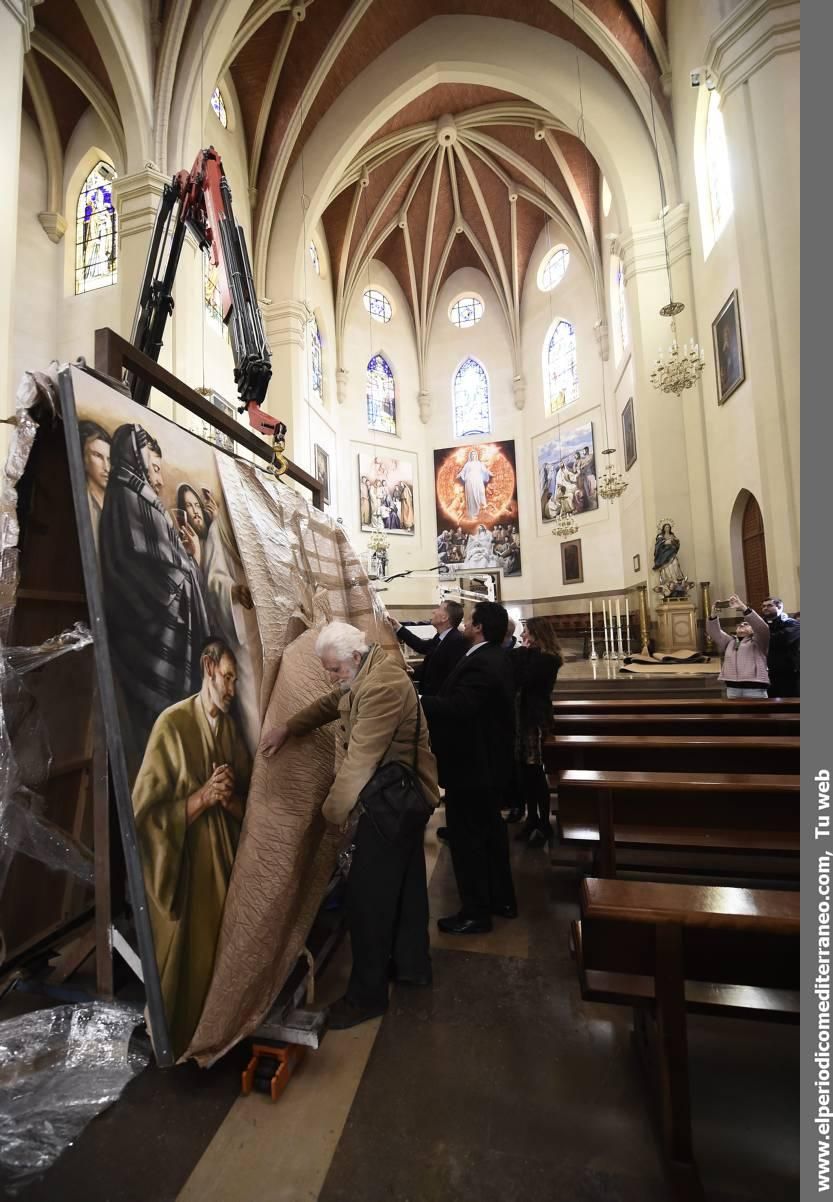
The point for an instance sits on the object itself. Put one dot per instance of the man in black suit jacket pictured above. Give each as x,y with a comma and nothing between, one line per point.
472,727
443,652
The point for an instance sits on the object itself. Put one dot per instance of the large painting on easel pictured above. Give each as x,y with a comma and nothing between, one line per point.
186,663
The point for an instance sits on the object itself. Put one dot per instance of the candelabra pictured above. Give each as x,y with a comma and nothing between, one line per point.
683,367
612,484
564,526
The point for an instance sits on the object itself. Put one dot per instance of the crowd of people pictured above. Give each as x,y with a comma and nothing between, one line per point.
762,656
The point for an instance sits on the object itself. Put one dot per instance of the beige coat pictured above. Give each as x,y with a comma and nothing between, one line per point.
378,724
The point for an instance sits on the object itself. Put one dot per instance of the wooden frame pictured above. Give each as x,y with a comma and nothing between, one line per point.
637,563
729,366
572,563
629,435
322,471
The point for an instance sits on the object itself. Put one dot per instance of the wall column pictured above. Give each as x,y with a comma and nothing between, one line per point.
16,24
285,323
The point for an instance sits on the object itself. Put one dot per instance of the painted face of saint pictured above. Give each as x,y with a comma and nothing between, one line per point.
97,461
194,512
222,682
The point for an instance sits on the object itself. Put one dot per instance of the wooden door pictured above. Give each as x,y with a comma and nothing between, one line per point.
754,555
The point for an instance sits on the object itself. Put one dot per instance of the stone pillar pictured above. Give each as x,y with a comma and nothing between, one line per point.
753,58
670,429
285,323
16,23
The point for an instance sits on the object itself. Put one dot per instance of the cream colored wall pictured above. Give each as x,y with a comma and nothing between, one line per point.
38,263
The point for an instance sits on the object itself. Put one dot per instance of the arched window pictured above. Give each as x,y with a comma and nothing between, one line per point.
607,199
553,268
560,369
219,106
316,374
717,167
213,299
377,305
472,412
381,396
618,305
313,254
466,311
95,231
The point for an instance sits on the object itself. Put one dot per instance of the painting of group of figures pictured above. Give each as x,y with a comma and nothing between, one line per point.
566,462
477,508
187,667
386,492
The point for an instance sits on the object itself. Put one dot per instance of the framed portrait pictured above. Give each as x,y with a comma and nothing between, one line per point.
387,490
322,471
572,567
475,582
728,349
637,563
629,435
565,462
476,494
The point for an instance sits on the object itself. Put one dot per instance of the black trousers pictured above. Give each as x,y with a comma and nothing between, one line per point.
479,842
387,914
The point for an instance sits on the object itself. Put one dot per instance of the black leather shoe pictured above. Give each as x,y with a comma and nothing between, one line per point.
442,833
344,1014
415,982
458,924
514,815
510,911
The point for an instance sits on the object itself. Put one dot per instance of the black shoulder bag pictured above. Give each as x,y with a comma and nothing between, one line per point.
393,798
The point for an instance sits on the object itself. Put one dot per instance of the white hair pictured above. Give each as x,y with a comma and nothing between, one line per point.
340,640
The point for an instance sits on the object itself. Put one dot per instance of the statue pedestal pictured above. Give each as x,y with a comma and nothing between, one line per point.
676,626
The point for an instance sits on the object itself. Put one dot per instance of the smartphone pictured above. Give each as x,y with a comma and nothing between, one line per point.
722,604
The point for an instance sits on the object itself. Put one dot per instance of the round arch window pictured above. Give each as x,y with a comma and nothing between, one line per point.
553,268
466,311
377,305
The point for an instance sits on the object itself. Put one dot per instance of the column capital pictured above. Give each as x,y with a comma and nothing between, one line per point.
54,225
136,198
342,376
424,402
519,391
642,248
22,11
756,32
602,332
285,322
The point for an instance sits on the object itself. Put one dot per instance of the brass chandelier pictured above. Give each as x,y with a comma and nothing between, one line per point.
612,483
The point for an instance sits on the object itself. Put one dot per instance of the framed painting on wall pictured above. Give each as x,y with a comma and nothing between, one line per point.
572,567
387,491
322,472
476,493
566,463
728,349
629,435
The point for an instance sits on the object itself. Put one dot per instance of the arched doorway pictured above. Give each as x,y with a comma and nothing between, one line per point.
754,554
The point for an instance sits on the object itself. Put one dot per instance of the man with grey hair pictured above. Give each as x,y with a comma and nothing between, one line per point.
387,897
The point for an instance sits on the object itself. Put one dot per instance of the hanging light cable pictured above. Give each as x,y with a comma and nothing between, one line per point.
611,484
683,367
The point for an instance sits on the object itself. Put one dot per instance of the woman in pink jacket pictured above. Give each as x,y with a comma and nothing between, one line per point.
743,671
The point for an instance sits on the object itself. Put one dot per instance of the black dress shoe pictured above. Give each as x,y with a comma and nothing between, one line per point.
415,982
514,815
343,1014
458,924
510,911
442,833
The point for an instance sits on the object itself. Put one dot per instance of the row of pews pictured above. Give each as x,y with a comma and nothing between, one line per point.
709,789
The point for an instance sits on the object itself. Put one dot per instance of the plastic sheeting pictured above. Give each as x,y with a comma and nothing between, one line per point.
59,1068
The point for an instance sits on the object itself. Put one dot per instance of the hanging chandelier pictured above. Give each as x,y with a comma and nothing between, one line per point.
682,367
612,483
564,526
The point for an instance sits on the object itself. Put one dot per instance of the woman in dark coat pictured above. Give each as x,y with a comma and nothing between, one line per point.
535,668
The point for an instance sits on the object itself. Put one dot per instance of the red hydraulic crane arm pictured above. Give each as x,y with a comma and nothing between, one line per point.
200,200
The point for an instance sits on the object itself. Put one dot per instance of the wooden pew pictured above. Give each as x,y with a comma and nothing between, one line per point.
676,705
671,753
636,725
667,950
743,814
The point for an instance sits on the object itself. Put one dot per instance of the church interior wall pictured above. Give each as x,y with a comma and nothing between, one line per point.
38,261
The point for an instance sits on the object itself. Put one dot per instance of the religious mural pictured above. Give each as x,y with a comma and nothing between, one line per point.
386,491
187,667
477,508
566,461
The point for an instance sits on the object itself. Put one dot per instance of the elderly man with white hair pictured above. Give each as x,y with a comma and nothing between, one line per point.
387,897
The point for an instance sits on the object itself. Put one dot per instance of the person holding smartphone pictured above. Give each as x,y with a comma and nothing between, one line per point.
744,669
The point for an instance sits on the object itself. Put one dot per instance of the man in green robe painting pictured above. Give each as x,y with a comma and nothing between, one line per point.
188,802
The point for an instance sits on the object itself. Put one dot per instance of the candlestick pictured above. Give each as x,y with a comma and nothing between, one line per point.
593,654
604,619
628,630
619,630
643,619
613,652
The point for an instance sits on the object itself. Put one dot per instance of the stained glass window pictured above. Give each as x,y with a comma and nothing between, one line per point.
377,305
213,298
472,413
381,396
95,231
553,269
560,370
313,254
466,312
717,167
219,106
606,197
316,375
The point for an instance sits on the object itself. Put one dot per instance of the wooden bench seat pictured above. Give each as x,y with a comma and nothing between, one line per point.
708,811
669,753
676,705
763,725
670,950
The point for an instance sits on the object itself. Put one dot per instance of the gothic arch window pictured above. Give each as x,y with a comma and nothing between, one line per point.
213,298
218,104
560,367
472,411
314,259
95,231
381,396
712,170
314,356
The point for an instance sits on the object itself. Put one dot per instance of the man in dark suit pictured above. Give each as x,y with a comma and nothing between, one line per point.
784,656
443,652
472,725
